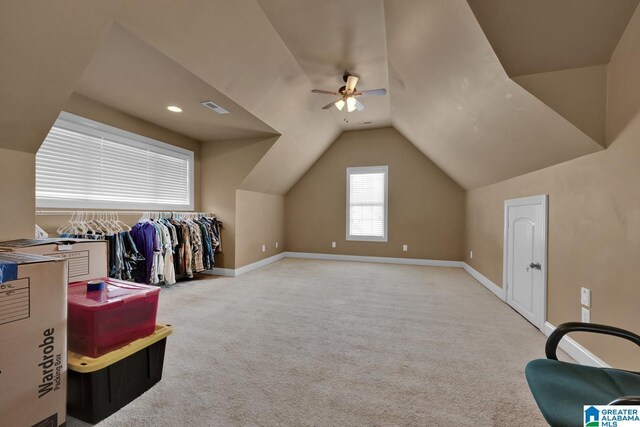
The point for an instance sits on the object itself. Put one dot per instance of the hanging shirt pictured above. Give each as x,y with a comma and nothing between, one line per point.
178,247
167,246
186,239
157,266
196,246
207,254
134,262
144,235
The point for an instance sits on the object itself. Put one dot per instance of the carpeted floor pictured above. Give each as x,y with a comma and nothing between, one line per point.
324,343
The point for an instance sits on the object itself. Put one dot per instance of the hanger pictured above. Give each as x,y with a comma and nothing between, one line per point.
76,224
110,227
97,223
64,228
116,222
124,226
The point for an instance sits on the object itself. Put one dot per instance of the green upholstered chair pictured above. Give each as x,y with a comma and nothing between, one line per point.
561,389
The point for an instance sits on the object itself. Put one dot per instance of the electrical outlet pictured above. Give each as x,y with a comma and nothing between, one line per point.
333,244
586,315
470,254
585,297
405,248
264,248
276,245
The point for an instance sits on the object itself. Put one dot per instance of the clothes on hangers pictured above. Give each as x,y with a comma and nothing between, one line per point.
125,262
133,260
145,238
176,247
210,229
155,251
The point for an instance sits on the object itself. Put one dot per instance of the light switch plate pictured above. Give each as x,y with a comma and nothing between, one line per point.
264,248
276,245
585,297
470,254
333,244
405,248
586,315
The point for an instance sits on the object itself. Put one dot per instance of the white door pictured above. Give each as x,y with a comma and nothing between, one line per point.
525,257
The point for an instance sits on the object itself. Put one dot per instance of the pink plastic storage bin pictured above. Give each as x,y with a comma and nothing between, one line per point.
101,321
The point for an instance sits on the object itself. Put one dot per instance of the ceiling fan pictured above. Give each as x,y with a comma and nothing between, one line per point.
348,94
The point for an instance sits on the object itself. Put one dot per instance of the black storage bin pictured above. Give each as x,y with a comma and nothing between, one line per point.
93,396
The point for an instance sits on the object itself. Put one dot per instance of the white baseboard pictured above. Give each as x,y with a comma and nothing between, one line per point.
231,272
384,260
575,350
571,347
258,264
485,281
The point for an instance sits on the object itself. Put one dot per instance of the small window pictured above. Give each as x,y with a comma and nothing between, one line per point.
367,203
86,164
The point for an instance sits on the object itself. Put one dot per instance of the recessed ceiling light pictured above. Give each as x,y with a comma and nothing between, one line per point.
174,108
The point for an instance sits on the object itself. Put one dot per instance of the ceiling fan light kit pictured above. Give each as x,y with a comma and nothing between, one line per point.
348,94
351,104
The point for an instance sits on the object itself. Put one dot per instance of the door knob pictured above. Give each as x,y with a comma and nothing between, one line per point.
536,265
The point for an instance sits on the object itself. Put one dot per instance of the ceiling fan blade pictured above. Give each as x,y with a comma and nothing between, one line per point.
329,105
351,84
372,92
325,92
359,105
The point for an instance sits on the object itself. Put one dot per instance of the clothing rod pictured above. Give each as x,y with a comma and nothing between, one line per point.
62,213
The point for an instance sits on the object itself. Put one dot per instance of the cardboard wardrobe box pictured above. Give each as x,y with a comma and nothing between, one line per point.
33,340
88,259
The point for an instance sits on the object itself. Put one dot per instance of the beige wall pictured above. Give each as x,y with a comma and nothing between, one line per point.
17,184
45,47
594,218
426,208
225,164
44,53
260,221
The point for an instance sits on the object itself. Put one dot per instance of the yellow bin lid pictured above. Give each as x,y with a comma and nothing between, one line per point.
84,364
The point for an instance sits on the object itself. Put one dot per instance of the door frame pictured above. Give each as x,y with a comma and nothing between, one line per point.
542,200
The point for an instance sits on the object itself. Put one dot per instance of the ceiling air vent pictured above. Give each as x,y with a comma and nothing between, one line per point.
215,107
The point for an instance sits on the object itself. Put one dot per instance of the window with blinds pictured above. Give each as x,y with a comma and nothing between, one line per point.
86,164
367,203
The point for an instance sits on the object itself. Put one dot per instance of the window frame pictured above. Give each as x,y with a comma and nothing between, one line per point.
368,170
93,128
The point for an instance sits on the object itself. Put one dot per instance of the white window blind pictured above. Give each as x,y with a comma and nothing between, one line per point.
367,203
86,164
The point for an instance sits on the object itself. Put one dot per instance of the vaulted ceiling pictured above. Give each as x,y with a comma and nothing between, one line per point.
536,36
447,65
451,97
131,76
330,37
